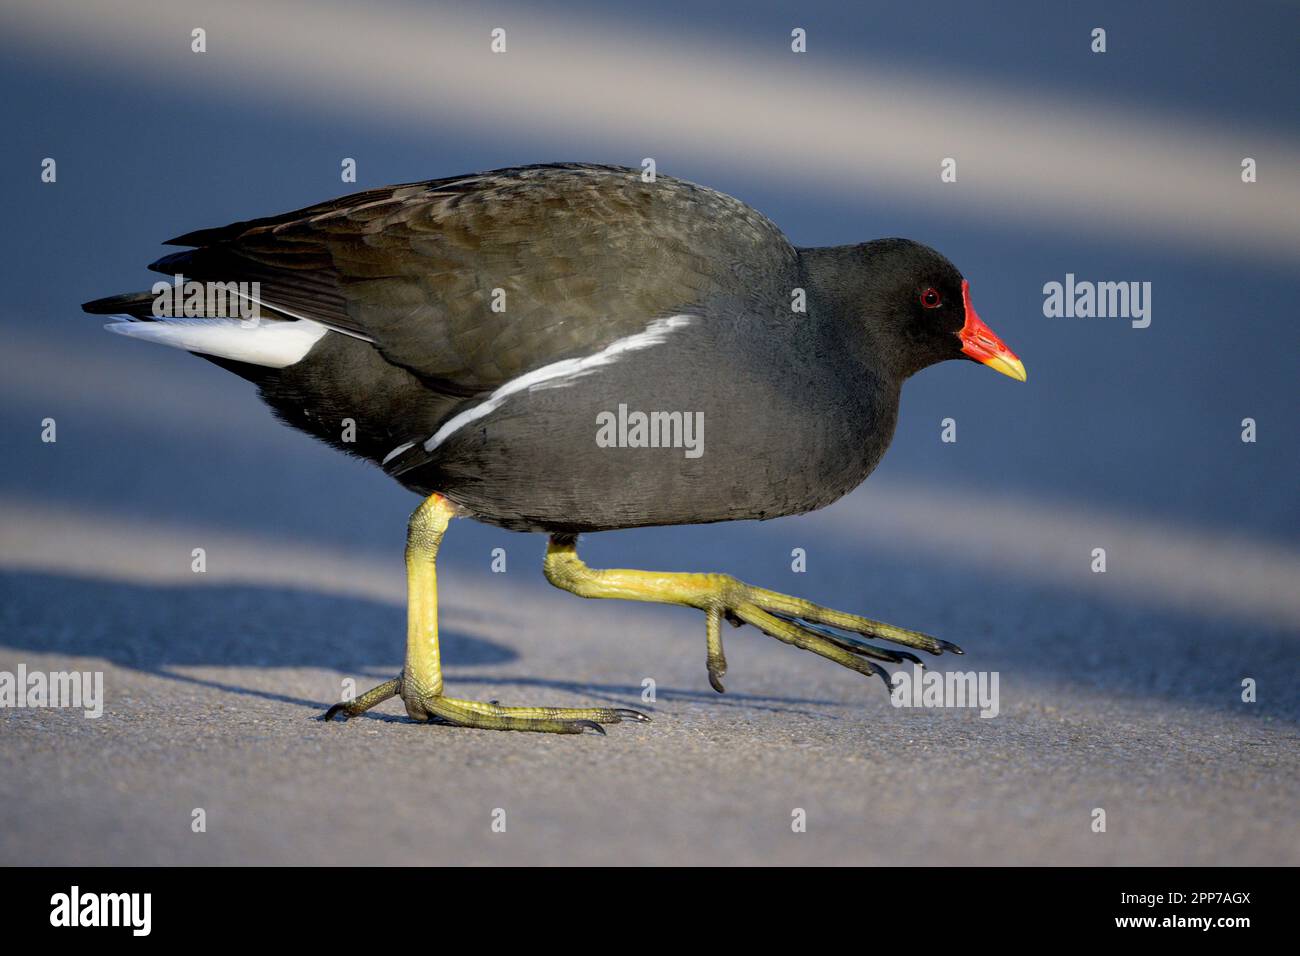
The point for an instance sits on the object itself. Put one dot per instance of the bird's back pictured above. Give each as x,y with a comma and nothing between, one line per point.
474,330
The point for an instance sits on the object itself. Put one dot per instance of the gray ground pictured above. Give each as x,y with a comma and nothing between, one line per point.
1119,691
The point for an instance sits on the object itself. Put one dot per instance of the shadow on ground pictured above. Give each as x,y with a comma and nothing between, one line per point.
243,626
1047,636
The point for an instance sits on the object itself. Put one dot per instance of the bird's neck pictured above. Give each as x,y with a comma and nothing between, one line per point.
832,278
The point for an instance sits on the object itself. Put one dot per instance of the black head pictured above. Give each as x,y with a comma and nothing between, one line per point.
912,304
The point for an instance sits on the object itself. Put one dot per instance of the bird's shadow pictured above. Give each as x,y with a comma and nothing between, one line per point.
162,629
156,629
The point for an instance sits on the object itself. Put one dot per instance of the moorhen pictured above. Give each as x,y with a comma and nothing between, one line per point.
570,348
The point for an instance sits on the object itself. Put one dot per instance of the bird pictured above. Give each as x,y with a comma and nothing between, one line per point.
568,348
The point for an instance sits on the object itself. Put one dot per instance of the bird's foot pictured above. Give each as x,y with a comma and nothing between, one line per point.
491,715
488,715
822,630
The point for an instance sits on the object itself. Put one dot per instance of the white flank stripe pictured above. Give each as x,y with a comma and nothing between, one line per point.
271,344
561,374
397,451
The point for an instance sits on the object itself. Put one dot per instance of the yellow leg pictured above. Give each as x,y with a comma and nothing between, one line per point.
420,683
789,619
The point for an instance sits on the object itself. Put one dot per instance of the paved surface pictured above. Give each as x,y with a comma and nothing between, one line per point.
214,687
1118,691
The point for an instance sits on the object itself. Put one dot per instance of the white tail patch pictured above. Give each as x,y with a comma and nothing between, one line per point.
269,343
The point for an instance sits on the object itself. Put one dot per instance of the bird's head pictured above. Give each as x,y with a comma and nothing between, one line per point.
915,304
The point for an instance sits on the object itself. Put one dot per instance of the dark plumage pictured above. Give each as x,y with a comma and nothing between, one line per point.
481,332
798,407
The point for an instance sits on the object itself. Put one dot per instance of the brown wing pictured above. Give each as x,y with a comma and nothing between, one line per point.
582,254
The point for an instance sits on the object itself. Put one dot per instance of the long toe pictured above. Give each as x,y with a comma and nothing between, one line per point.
552,720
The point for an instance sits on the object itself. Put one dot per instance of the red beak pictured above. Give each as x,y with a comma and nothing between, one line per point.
983,345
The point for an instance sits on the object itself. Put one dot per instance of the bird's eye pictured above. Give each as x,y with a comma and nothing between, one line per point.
931,299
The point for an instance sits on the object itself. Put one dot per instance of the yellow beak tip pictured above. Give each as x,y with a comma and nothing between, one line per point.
1010,367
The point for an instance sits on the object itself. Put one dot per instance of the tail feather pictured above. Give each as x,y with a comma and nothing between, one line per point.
270,344
273,341
138,305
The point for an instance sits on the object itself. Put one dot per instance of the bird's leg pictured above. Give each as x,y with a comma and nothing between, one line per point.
420,683
789,619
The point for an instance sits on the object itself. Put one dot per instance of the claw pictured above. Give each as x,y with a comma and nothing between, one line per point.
592,725
950,646
882,674
717,669
631,714
850,642
329,714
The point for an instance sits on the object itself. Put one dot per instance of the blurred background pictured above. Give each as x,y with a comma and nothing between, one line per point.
1119,690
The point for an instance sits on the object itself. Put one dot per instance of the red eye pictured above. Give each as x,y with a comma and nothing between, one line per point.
930,299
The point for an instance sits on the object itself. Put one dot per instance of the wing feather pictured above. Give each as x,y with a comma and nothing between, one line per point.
472,281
